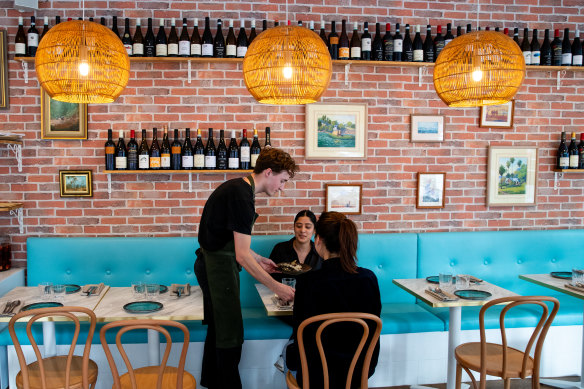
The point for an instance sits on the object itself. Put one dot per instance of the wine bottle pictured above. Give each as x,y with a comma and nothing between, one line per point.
155,151
244,152
161,41
557,49
276,24
252,33
563,154
199,153
312,25
188,161
255,149
299,23
121,156
418,47
242,42
387,44
469,28
184,42
566,48
506,31
165,151
115,26
219,42
46,28
526,47
102,21
20,40
149,41
222,152
333,40
546,49
32,38
264,25
132,151
439,42
355,43
458,31
173,40
577,50
268,142
210,153
176,152
344,51
230,43
127,38
138,45
398,44
144,153
516,36
233,152
581,152
377,45
57,20
196,47
408,49
535,49
323,35
366,43
429,45
110,151
573,152
449,37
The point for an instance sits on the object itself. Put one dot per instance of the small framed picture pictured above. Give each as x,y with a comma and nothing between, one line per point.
427,128
60,120
344,198
431,187
75,183
497,116
512,176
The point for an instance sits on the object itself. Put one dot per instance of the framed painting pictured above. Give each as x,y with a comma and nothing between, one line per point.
336,131
497,116
75,183
427,128
431,190
60,120
344,198
512,176
4,96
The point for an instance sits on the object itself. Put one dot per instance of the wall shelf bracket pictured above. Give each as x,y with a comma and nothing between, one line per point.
17,149
347,69
190,183
557,175
421,71
19,213
559,75
109,183
25,69
189,77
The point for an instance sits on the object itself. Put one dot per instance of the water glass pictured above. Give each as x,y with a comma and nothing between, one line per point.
462,281
46,291
152,291
59,292
138,290
444,280
291,282
577,277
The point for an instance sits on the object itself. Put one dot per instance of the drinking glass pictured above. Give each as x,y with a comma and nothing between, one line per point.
138,290
291,282
59,292
462,281
444,280
577,277
152,291
45,291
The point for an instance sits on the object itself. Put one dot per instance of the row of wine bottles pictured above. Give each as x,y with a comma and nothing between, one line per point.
572,156
361,46
183,155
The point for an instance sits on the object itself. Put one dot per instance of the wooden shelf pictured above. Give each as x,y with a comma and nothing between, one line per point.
569,170
10,206
161,171
11,141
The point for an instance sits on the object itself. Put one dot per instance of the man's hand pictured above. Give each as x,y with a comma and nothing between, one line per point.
267,264
284,292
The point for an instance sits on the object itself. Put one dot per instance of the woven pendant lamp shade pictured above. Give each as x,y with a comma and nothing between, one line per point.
459,66
287,65
65,46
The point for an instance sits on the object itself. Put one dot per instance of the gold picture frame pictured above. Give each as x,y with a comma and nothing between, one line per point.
60,120
4,96
75,183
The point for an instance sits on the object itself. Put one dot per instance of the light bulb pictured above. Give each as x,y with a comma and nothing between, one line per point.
287,72
477,75
84,68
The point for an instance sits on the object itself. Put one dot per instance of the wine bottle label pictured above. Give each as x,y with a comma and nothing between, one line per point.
20,48
173,49
245,156
418,55
110,150
207,49
132,156
195,49
344,52
577,60
154,162
211,161
254,158
33,39
121,162
231,50
566,58
409,56
199,160
398,45
535,57
241,50
220,52
233,163
334,40
184,48
366,44
527,57
187,161
138,49
161,50
150,51
564,162
143,161
573,161
128,49
165,160
175,149
388,50
355,52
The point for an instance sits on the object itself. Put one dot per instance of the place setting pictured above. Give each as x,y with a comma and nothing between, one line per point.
577,280
285,305
460,283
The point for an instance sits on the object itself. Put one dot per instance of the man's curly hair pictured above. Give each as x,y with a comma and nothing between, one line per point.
277,160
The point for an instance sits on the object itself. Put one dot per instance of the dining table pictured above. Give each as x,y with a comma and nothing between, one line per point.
418,286
271,305
559,285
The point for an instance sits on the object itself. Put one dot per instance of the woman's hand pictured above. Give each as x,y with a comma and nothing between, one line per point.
284,292
267,264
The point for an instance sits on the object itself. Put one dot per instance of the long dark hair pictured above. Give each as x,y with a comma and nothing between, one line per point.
340,236
306,213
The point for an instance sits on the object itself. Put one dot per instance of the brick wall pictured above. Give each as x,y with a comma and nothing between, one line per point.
157,94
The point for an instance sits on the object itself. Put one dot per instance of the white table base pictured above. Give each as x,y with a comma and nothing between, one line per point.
153,347
49,339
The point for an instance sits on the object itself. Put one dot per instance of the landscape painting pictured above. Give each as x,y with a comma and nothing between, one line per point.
60,120
512,176
336,131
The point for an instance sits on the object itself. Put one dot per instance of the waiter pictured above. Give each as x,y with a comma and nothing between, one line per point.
225,239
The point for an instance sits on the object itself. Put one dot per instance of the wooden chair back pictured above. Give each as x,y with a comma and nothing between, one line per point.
70,313
332,318
145,324
537,338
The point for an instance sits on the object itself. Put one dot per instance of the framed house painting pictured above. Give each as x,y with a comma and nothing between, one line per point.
497,116
512,176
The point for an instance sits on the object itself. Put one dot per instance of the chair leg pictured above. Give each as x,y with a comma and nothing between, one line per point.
458,375
507,383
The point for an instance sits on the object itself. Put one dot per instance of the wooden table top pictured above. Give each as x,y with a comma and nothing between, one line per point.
271,308
548,281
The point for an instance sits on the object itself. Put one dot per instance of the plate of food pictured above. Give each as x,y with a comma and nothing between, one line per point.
293,268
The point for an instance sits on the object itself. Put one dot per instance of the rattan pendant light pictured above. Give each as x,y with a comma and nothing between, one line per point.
287,65
82,62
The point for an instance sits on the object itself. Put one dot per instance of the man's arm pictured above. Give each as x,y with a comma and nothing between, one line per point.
247,259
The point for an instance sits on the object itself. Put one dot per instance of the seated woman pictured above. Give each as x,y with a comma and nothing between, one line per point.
339,286
301,247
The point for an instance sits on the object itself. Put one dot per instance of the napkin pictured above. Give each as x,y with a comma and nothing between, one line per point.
283,306
444,296
474,280
96,292
578,288
186,289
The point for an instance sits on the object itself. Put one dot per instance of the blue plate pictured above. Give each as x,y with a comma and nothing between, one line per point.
163,288
472,294
143,307
563,275
432,279
47,304
72,288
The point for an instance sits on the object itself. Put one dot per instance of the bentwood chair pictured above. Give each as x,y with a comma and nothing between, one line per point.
328,319
159,377
56,372
501,360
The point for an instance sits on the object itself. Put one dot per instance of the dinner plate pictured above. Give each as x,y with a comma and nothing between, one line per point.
563,275
48,304
163,288
143,306
432,279
72,288
304,269
472,294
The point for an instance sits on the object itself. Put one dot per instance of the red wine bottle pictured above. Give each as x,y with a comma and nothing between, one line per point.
115,26
439,42
563,154
255,149
418,48
144,153
187,151
176,152
566,48
165,151
535,49
110,151
429,45
242,42
149,41
557,49
377,45
155,151
252,33
210,153
323,35
408,49
45,28
449,37
233,152
207,45
127,38
33,38
546,49
121,155
366,43
222,152
132,151
577,50
573,152
387,44
219,42
333,39
398,44
268,142
581,152
244,152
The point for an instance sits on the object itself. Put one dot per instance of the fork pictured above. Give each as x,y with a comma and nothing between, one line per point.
90,290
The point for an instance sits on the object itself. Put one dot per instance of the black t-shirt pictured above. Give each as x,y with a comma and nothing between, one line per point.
229,208
284,252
